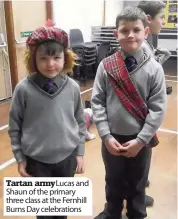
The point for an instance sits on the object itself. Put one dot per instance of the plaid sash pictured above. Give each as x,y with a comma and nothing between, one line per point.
125,89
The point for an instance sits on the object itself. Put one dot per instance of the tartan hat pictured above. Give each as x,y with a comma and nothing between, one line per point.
50,33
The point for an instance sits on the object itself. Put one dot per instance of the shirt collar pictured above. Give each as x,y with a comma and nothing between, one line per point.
41,80
138,55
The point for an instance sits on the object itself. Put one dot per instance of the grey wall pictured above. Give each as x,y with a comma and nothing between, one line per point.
130,3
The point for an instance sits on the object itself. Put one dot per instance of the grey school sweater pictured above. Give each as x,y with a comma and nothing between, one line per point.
109,114
46,128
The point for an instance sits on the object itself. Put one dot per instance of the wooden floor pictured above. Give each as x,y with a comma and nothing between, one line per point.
163,174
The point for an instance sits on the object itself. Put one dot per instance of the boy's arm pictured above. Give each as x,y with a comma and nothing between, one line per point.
79,115
156,106
15,122
162,55
99,103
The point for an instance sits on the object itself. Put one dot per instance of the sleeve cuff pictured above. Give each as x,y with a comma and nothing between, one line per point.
81,150
19,156
106,137
140,141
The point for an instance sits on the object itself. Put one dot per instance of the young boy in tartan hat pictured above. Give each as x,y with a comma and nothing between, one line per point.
46,120
129,103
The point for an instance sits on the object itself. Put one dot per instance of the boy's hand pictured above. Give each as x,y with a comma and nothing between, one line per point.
22,169
132,147
80,165
114,147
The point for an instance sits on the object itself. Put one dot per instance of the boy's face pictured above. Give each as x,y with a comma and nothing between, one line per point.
49,66
156,23
131,35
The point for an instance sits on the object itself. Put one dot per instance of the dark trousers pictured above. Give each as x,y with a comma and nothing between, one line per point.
65,168
126,176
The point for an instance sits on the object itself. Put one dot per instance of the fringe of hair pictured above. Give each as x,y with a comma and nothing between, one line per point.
69,61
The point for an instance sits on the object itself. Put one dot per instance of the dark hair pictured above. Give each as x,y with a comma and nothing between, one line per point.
50,48
131,14
151,8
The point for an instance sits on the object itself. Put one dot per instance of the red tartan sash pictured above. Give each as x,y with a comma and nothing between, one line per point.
125,89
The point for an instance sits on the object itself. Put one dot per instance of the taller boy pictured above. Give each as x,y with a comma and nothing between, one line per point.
129,102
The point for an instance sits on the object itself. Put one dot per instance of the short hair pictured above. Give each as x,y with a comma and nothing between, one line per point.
131,14
151,8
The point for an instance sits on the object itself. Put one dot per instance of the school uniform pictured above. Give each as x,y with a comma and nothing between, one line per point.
47,126
113,119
